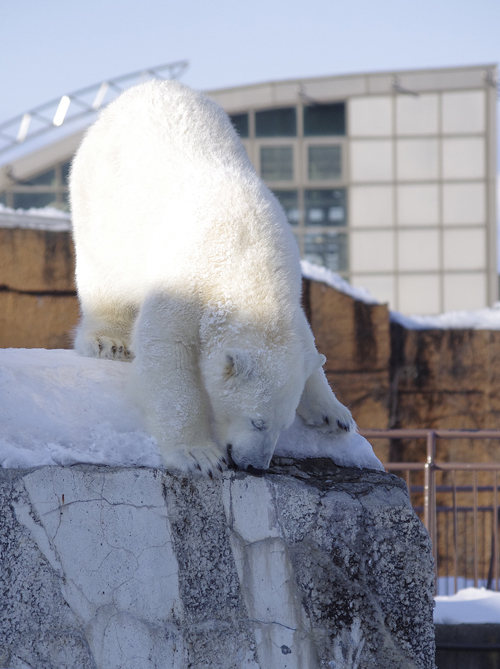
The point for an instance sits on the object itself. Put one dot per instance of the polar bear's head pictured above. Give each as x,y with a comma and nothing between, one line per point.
254,395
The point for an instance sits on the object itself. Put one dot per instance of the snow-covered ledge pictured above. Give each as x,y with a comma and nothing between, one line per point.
103,567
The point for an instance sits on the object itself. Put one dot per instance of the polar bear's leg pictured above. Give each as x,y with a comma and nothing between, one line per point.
320,408
105,332
169,386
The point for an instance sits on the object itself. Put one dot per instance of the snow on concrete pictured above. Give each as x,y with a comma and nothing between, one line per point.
481,319
60,409
47,218
471,605
324,275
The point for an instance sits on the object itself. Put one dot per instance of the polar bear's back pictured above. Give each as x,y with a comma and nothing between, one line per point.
161,179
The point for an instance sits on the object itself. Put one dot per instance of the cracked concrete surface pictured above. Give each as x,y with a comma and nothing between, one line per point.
310,567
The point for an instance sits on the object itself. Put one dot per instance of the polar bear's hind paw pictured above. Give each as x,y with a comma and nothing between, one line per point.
110,348
345,426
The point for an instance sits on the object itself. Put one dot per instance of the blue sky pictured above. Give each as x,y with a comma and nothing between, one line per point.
56,46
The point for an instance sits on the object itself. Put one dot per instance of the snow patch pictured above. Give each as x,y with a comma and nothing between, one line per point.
324,275
48,218
482,319
468,606
59,408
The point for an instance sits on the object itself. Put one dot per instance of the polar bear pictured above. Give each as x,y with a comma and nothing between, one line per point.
186,264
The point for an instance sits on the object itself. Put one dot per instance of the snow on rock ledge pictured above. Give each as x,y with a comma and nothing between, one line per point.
309,567
60,409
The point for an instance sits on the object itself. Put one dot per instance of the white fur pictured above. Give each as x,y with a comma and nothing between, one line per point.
186,262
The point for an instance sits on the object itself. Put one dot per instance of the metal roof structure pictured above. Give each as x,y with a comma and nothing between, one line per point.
85,102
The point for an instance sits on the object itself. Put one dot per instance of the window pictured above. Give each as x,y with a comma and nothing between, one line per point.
44,179
37,200
276,163
322,120
276,122
324,162
328,249
65,168
240,123
325,207
47,188
289,200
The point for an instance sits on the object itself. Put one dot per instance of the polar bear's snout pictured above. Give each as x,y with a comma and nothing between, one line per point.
252,458
249,468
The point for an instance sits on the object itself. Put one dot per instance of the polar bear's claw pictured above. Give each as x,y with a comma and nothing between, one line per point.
344,426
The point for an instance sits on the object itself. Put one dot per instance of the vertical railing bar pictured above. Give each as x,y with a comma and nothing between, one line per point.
447,543
475,532
484,515
430,496
466,564
455,529
495,531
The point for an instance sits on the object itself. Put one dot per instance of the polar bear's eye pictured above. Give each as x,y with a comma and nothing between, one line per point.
259,425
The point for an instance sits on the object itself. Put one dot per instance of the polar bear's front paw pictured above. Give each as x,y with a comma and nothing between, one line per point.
205,460
109,348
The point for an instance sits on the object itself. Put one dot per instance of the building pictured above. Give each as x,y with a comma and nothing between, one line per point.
388,179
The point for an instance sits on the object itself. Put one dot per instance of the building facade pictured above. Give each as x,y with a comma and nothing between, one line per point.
388,179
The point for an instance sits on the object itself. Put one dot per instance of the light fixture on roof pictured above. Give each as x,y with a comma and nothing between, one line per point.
61,110
101,94
398,88
23,128
307,99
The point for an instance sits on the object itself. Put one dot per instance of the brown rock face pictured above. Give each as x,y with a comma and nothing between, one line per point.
355,339
446,379
38,305
37,321
40,261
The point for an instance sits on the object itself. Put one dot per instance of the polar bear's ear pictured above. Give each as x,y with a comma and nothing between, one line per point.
238,363
313,362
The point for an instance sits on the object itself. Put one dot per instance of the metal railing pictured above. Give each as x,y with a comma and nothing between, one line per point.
461,515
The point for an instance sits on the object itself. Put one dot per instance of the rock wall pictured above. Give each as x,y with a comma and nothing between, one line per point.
355,338
309,567
446,379
38,305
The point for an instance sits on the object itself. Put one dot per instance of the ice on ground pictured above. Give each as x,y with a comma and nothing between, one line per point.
471,605
59,408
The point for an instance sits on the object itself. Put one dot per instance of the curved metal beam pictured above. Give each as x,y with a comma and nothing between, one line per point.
83,102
